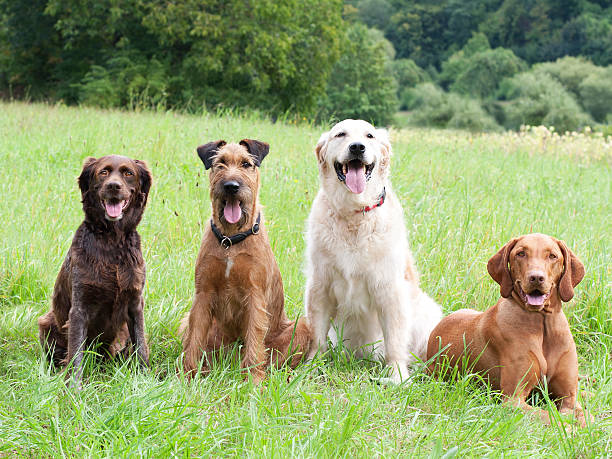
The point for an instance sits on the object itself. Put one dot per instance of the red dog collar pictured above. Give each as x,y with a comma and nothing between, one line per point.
380,202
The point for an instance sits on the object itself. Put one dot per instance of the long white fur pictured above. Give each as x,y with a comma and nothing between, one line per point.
360,271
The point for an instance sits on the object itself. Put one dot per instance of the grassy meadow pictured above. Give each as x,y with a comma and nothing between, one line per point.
464,196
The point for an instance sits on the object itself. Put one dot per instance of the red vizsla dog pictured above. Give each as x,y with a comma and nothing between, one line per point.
525,336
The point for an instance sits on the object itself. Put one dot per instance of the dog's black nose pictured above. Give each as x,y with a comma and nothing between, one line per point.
357,148
231,187
113,186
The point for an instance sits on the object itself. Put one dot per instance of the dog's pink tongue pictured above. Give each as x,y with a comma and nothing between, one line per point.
232,212
113,210
355,177
536,300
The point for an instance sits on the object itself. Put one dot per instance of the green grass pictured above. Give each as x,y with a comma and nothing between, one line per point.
464,196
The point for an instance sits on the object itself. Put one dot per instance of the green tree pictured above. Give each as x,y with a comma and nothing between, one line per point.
31,47
375,13
458,62
417,32
536,98
484,70
431,106
361,84
596,94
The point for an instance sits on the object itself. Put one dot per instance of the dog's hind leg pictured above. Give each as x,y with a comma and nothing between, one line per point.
52,340
290,342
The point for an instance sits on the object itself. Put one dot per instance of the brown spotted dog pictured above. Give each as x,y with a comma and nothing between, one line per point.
98,291
524,338
238,286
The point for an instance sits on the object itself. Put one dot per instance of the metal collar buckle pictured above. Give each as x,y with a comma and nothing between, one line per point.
226,243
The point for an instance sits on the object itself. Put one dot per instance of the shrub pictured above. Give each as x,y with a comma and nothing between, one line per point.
408,74
127,79
596,94
569,71
536,98
433,107
484,70
458,62
361,84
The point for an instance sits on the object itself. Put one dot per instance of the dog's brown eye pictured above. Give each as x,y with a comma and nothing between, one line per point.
552,256
128,173
370,136
340,134
521,254
103,172
246,164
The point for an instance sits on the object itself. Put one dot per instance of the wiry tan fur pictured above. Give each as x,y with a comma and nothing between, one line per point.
360,270
239,291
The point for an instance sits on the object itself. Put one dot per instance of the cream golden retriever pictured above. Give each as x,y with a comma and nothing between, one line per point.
361,274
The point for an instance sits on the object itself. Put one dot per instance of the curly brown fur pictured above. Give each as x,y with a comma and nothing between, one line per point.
98,291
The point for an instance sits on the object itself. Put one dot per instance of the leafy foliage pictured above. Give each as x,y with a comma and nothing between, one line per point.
270,55
596,95
431,106
536,98
361,84
485,70
535,30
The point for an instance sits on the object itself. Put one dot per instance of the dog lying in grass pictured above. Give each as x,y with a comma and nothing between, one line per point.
525,337
98,291
238,286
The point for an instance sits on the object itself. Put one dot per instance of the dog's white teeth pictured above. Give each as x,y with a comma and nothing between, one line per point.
344,169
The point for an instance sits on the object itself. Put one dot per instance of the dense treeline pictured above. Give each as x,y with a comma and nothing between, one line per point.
488,64
430,31
476,64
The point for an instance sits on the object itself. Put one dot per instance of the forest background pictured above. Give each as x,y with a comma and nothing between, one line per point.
483,65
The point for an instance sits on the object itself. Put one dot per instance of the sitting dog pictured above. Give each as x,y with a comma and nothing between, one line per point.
238,286
98,291
525,337
360,272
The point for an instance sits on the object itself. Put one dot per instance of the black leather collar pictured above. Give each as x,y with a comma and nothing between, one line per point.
228,241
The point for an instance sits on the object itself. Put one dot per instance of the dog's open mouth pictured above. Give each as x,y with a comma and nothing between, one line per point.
232,211
534,299
354,174
114,208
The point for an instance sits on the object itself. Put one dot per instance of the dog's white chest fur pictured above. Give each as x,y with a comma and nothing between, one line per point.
229,262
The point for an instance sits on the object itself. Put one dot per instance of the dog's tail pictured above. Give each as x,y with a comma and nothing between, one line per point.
291,343
52,340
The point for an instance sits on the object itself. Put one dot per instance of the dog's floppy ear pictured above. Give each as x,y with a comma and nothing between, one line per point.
86,173
382,135
573,272
500,271
258,150
145,176
207,151
321,147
